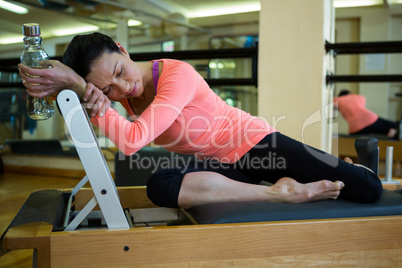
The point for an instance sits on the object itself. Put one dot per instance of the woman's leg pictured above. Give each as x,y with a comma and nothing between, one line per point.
381,126
210,187
190,186
281,156
201,177
205,187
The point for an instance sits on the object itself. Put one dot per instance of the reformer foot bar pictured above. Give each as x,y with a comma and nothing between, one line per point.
98,174
323,233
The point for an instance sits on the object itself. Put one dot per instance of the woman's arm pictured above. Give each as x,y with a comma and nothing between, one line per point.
50,81
176,89
95,100
43,82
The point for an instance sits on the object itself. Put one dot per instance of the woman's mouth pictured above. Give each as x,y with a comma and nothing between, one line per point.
134,90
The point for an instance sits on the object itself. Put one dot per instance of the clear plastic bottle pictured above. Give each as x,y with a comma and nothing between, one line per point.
33,54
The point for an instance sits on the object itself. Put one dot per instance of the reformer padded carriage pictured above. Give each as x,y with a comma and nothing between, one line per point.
89,227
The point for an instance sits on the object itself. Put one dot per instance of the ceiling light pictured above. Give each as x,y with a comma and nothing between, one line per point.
11,40
13,7
70,31
357,3
133,22
249,7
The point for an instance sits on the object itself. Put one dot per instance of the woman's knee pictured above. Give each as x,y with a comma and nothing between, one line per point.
373,190
163,187
369,190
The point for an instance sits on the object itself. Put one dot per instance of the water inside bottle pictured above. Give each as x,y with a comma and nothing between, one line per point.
39,108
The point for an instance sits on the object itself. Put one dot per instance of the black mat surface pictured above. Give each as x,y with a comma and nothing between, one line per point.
235,212
41,206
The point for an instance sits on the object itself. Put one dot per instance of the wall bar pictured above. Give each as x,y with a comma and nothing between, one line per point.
364,47
363,78
9,65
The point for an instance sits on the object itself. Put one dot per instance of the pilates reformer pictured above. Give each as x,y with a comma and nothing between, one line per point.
59,226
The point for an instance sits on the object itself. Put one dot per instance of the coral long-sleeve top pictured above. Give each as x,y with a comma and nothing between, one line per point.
186,116
353,109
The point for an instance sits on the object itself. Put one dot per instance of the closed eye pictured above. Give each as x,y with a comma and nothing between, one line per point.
107,90
121,72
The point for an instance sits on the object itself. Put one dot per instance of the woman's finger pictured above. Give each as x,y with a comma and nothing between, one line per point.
88,92
97,106
96,94
104,107
40,94
32,72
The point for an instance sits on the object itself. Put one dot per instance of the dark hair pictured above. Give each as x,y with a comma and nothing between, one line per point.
344,92
83,50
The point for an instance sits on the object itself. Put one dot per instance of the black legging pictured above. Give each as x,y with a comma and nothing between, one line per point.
381,126
276,156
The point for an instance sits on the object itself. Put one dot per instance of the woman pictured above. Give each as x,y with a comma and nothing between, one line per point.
360,119
171,104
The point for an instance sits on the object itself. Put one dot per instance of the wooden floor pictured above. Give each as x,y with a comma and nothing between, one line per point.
14,190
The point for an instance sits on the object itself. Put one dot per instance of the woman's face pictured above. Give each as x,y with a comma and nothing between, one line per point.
116,75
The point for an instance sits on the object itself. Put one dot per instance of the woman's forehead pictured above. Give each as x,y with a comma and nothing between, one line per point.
105,60
100,74
104,68
104,65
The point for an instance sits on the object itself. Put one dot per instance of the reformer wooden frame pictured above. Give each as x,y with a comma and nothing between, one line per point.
375,241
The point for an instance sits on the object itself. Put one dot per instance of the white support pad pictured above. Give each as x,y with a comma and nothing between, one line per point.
92,159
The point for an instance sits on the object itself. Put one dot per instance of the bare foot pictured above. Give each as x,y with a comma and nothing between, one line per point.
289,190
348,159
391,133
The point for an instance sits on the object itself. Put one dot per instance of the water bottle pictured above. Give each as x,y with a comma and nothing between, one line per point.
33,54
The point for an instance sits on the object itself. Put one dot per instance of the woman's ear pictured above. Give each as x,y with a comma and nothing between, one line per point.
122,49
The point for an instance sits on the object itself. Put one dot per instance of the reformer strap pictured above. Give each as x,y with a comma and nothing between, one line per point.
155,74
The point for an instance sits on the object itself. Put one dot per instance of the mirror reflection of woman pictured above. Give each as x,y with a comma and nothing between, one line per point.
360,119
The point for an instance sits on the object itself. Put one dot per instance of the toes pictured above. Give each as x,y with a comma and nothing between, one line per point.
331,186
326,189
340,184
291,191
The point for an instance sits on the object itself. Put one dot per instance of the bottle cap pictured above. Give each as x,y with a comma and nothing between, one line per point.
30,29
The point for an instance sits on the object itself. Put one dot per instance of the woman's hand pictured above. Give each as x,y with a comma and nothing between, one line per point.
43,82
97,101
